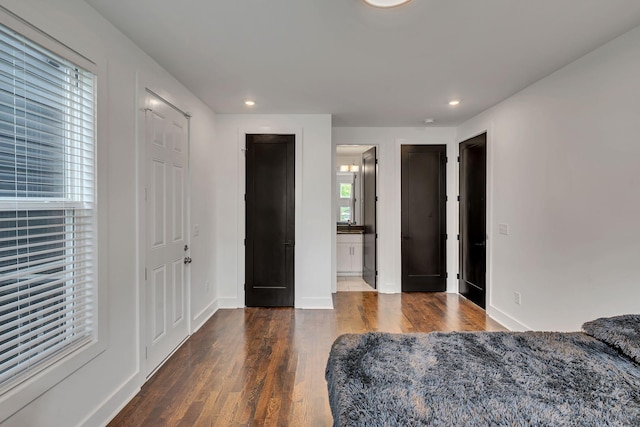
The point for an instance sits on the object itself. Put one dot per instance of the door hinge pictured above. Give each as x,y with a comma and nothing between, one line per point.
458,237
446,159
458,276
446,198
245,242
245,197
376,235
446,275
458,159
446,237
376,161
245,286
376,198
458,198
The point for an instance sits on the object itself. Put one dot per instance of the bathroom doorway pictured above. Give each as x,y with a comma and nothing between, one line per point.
356,219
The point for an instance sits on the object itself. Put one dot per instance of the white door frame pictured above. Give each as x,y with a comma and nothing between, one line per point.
299,240
144,89
361,143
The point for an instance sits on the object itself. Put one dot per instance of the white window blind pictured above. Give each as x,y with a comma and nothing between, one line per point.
47,208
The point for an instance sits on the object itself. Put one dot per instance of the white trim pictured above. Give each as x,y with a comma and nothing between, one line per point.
36,35
316,303
299,240
505,320
206,314
114,403
489,210
23,394
361,142
145,87
230,302
450,209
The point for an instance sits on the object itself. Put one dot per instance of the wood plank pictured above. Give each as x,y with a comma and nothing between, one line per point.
265,366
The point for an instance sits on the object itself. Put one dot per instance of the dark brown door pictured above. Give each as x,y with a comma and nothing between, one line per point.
473,208
270,227
424,223
369,199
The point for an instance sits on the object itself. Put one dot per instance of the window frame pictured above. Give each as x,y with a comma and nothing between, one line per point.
345,178
72,358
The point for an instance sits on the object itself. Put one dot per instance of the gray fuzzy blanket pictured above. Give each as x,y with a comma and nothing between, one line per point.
488,378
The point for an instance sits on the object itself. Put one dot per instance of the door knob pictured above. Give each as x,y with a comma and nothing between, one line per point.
187,260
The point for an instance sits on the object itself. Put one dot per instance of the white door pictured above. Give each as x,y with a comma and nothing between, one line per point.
166,163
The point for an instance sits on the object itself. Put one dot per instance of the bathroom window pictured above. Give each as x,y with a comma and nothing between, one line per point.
345,190
346,197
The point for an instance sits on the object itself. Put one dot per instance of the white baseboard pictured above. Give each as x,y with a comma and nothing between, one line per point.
505,320
388,288
113,404
316,303
204,315
229,303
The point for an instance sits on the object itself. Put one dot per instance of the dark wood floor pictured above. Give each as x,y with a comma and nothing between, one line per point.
260,366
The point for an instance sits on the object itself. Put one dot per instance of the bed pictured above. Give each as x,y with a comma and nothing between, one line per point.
588,378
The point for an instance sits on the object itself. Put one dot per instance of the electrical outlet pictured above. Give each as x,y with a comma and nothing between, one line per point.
518,298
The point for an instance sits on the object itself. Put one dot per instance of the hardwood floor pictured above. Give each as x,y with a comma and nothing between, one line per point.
265,366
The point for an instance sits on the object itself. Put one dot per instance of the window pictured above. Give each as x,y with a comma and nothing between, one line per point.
345,191
346,197
345,213
47,209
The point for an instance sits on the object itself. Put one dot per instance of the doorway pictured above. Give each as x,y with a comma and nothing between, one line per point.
423,218
356,218
473,214
270,220
166,247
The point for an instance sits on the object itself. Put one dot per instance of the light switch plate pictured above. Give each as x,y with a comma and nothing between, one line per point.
503,229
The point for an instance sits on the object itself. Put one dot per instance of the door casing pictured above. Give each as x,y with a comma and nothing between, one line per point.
241,166
427,281
267,156
479,242
144,104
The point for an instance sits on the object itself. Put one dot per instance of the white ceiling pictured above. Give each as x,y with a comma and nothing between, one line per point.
351,150
366,66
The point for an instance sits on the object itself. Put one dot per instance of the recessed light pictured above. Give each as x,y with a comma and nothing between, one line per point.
454,102
249,103
386,3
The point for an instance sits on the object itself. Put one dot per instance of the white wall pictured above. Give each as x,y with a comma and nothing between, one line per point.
96,391
388,141
315,225
564,171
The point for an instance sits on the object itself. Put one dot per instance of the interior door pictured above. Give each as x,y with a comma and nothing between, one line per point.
369,202
166,135
423,228
270,216
473,229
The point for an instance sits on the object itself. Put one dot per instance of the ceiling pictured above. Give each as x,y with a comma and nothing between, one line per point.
351,150
366,66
